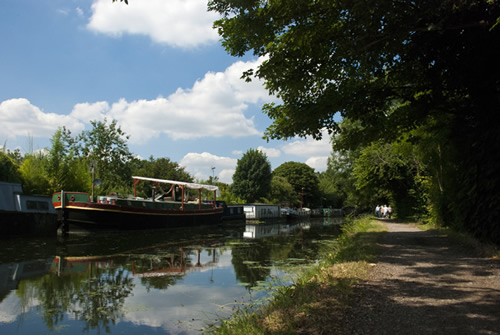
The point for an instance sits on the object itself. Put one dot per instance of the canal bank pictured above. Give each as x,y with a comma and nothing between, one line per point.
370,282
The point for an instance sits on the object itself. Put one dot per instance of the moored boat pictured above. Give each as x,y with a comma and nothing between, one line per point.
291,213
76,210
24,214
257,212
231,212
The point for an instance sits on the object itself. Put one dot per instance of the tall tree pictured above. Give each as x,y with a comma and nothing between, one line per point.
303,179
105,146
66,170
390,65
252,178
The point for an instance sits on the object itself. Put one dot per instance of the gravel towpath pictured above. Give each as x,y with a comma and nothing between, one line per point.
422,283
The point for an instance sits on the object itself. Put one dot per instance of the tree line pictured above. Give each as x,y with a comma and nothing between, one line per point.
74,163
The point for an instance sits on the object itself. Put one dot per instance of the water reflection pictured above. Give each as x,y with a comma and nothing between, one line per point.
169,282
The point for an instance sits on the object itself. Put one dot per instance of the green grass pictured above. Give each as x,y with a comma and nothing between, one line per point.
320,293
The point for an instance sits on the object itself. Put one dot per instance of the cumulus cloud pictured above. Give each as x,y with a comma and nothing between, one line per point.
178,23
200,165
213,107
317,152
90,111
309,147
318,163
270,152
19,117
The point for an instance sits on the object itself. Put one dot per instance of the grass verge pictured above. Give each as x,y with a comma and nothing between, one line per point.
316,301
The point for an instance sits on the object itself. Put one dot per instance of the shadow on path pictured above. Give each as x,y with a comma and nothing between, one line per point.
424,284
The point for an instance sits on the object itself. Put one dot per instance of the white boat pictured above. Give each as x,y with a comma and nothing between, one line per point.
262,211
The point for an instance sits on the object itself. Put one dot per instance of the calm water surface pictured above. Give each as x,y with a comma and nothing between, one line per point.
155,282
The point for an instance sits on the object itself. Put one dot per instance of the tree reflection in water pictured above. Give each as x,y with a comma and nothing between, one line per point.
100,299
88,284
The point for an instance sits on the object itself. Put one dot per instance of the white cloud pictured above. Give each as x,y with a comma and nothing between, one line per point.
226,175
316,152
213,107
90,111
270,152
318,163
19,117
179,23
200,165
309,147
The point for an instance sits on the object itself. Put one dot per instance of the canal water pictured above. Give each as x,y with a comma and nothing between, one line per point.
150,282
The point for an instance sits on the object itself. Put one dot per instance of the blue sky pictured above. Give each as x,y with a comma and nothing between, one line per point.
155,66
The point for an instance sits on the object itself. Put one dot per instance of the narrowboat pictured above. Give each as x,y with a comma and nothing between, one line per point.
78,212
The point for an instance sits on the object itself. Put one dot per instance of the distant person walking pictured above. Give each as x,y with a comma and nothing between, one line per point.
389,211
377,211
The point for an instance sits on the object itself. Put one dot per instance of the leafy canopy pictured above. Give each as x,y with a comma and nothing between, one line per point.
388,67
388,64
252,178
9,169
105,146
302,178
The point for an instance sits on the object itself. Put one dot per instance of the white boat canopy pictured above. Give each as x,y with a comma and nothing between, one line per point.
194,186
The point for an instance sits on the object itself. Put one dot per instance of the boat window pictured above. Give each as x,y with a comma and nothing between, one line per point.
37,205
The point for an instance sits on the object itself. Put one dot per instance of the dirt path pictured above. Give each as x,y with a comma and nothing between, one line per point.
424,284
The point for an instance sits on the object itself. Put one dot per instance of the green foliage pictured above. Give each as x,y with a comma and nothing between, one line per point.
252,178
282,192
160,168
387,67
226,195
34,174
106,147
331,193
352,58
66,170
386,173
15,155
9,169
303,179
337,182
